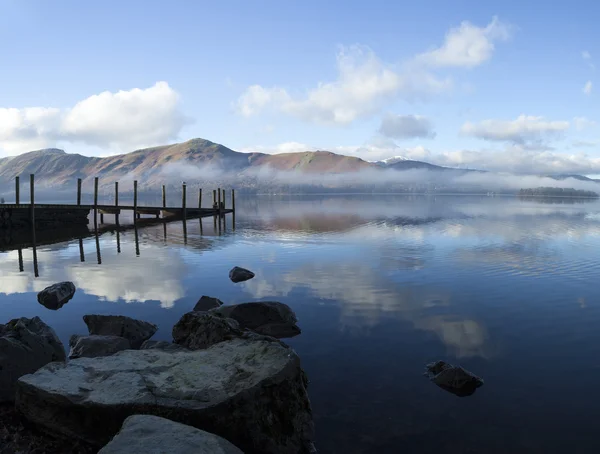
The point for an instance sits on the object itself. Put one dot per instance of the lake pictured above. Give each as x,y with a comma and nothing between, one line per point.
382,285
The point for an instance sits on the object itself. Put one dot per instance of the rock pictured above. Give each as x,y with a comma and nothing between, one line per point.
162,345
96,345
147,434
250,392
453,379
269,318
57,295
238,274
135,331
206,303
198,330
26,344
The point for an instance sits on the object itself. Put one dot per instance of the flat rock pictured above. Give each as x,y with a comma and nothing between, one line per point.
57,295
252,392
26,344
453,379
135,331
238,274
162,345
269,318
206,303
198,330
96,345
147,434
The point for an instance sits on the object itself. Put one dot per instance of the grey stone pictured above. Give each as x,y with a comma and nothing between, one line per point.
135,331
96,345
269,318
26,344
453,379
250,392
198,330
238,274
206,303
147,434
57,295
162,345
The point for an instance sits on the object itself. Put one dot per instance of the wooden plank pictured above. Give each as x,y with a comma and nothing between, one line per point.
109,210
145,210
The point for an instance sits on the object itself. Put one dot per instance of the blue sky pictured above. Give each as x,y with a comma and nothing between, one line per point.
498,85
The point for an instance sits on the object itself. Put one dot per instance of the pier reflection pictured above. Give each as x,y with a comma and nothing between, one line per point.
19,241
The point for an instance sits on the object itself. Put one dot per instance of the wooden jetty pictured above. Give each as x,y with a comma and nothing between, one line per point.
51,216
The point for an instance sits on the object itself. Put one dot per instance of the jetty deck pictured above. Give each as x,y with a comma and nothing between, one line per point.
41,216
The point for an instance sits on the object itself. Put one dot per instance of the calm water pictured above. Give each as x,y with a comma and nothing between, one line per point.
381,285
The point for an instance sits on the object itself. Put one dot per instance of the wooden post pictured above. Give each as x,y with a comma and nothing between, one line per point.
214,198
116,193
95,193
32,197
164,196
233,199
17,187
183,195
219,206
81,254
200,198
78,191
223,198
101,218
134,200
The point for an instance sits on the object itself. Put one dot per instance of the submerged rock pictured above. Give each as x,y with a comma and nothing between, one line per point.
453,379
135,331
269,318
206,303
26,344
57,295
162,345
238,274
198,330
251,392
96,345
149,434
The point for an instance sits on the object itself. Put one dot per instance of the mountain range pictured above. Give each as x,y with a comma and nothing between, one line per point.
205,162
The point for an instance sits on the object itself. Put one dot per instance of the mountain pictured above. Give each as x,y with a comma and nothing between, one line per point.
388,161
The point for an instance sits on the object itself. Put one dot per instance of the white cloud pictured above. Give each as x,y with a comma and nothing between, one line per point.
586,55
525,129
125,119
467,45
587,88
406,126
365,84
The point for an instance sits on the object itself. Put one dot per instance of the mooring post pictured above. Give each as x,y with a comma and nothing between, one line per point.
214,198
164,196
96,201
233,200
78,191
183,195
32,196
200,199
117,201
219,205
223,198
17,187
134,201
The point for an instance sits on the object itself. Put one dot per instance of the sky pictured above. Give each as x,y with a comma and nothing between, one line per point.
499,86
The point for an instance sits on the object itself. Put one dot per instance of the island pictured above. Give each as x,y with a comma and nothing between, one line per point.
557,192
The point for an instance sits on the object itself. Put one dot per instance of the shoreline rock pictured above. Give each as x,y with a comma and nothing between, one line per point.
57,295
26,344
453,379
251,392
200,330
135,331
206,303
238,274
155,435
96,345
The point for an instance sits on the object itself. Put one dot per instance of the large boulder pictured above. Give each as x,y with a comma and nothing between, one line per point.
251,392
238,274
26,344
135,331
453,379
96,345
162,345
198,330
147,434
206,303
57,295
269,318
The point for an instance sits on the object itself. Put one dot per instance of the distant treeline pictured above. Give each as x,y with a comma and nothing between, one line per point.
556,192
